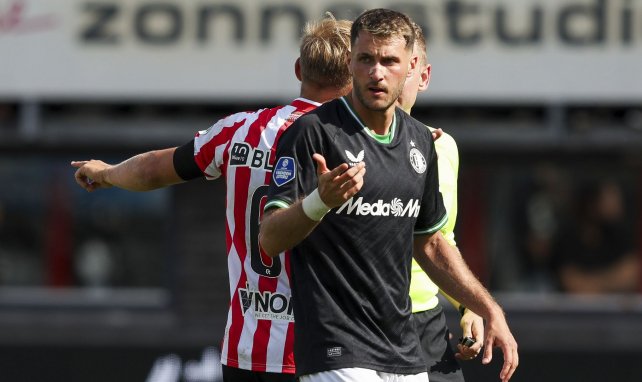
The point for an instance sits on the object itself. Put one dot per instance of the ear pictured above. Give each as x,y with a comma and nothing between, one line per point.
412,66
349,61
424,80
297,69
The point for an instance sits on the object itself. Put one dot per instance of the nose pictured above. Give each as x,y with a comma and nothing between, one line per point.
375,72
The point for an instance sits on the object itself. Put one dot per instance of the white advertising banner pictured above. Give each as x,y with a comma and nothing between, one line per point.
481,50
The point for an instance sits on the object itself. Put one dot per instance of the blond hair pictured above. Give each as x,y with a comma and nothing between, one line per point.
322,55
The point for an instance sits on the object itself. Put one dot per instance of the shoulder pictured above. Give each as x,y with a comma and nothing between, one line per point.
327,109
320,120
234,121
281,112
407,118
411,122
412,126
295,108
305,126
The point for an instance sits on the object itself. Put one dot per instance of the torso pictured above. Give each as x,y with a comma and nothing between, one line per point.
241,147
351,290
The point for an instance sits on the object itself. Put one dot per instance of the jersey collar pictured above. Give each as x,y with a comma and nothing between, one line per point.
302,99
385,139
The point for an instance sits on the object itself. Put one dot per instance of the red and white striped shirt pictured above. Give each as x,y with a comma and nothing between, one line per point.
241,147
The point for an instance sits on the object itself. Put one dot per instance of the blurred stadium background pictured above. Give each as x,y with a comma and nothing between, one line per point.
543,97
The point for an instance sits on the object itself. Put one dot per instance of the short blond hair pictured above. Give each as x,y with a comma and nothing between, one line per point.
322,55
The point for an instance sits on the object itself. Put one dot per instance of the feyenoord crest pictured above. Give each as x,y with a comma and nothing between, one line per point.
417,160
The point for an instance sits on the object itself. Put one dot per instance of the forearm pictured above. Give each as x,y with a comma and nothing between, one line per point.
283,228
445,266
144,172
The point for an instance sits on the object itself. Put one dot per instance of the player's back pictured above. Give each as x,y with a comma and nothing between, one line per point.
241,147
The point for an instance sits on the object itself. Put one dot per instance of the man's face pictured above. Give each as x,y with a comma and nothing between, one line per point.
416,83
379,68
409,93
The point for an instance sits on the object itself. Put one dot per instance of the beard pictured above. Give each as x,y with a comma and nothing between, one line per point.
380,104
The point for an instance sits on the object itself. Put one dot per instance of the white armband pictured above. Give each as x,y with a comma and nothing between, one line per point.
313,206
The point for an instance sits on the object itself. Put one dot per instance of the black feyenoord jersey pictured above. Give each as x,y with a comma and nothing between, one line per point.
351,275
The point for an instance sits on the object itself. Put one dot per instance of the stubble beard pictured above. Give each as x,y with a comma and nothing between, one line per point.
370,105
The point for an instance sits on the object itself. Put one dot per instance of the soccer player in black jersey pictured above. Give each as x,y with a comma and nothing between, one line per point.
353,235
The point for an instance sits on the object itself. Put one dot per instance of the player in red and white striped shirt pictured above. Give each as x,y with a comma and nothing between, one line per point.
258,340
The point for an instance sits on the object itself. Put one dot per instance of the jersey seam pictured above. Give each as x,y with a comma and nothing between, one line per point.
276,203
435,227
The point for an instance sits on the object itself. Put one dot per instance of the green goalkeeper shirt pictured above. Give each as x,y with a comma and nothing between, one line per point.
423,292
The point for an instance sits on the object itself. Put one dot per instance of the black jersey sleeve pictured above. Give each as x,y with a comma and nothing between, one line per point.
432,214
184,162
294,173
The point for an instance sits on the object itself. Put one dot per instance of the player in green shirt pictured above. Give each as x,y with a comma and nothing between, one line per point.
430,319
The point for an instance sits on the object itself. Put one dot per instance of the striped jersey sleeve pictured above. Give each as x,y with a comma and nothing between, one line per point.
210,144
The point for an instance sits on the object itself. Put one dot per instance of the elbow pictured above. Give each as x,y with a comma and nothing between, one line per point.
428,245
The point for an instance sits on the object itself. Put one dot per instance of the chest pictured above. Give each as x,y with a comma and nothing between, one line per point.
395,170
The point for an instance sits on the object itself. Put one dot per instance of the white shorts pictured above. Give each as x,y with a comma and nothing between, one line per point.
357,374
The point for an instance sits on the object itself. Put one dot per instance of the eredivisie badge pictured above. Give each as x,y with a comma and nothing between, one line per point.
284,171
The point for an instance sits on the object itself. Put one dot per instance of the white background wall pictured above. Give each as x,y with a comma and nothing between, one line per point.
578,49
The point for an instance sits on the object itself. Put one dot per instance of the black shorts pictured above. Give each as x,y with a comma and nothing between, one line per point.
233,374
435,343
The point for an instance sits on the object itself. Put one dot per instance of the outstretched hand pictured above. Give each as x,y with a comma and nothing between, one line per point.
91,174
341,183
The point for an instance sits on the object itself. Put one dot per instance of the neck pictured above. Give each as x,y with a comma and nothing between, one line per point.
378,121
321,94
